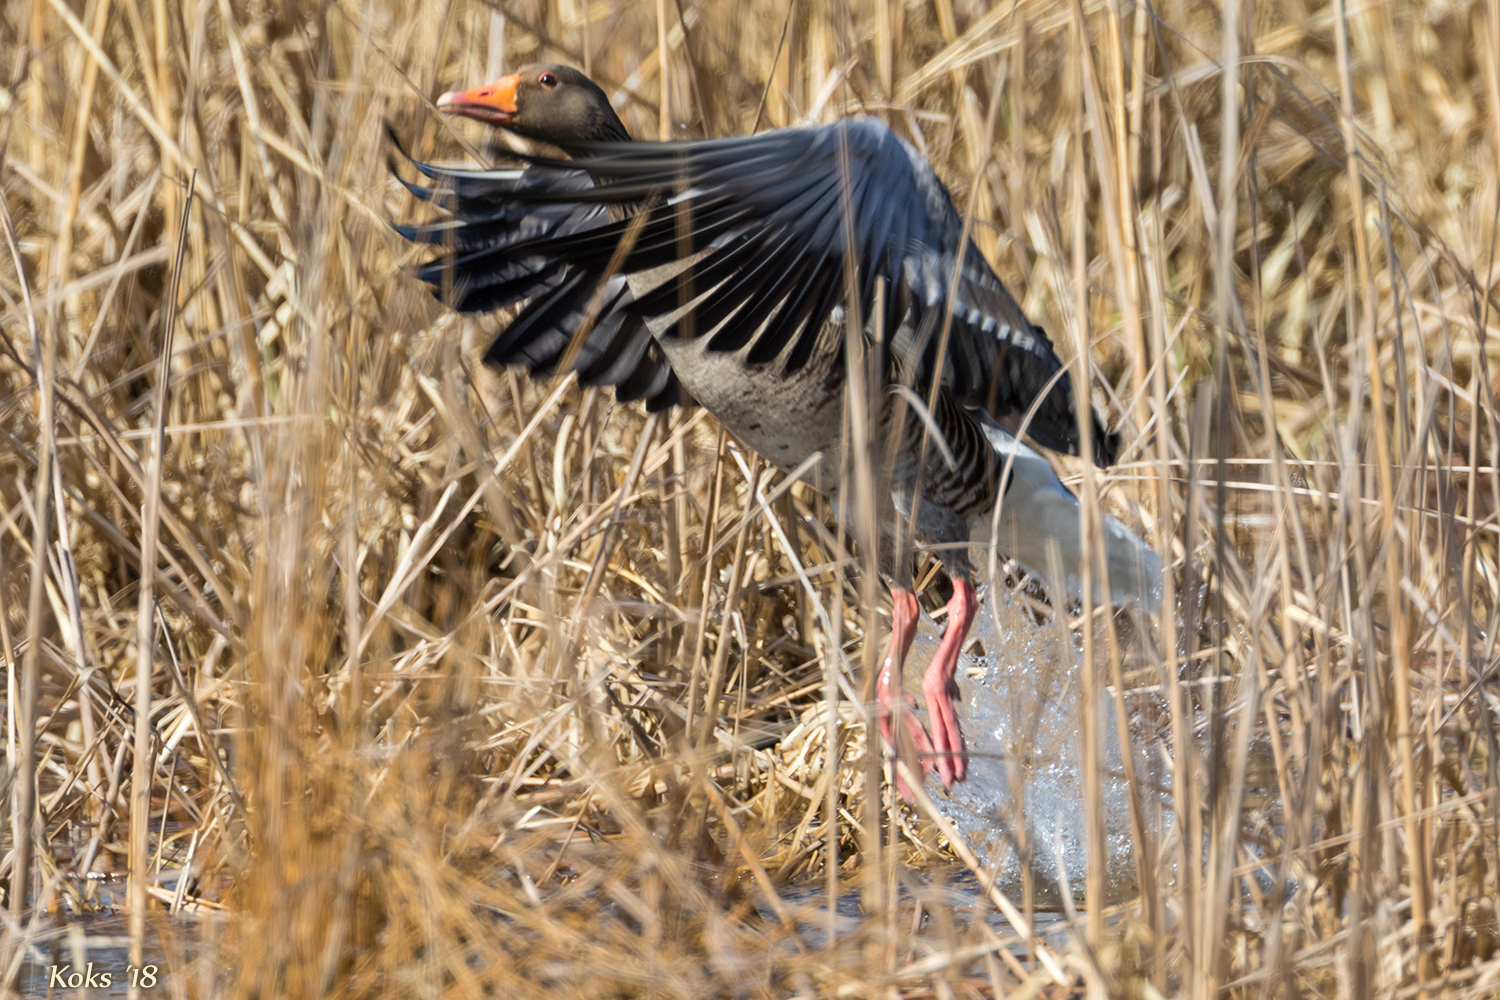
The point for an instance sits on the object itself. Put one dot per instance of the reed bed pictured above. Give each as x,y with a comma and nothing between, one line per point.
437,681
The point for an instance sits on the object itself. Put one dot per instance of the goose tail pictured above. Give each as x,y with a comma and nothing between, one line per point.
1037,510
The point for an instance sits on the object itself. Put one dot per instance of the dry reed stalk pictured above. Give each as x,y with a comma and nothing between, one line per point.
141,775
24,719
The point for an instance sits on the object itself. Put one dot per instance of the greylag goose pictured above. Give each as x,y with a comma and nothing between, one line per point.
719,266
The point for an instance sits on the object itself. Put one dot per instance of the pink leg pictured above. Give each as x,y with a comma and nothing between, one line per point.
941,689
904,612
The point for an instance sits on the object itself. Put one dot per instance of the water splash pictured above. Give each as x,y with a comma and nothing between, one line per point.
1022,717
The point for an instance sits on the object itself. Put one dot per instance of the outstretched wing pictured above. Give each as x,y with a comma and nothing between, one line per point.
749,242
491,217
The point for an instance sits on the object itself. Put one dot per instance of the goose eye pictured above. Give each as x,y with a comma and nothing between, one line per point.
547,80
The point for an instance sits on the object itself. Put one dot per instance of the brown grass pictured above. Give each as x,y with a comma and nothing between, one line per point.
464,685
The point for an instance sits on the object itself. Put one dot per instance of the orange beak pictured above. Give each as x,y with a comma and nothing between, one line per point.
494,103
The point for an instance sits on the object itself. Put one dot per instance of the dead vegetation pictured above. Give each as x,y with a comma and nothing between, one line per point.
462,685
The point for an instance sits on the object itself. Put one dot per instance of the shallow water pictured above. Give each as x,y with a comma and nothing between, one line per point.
957,892
1022,718
88,954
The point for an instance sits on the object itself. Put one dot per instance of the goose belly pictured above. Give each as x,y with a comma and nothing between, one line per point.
784,417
